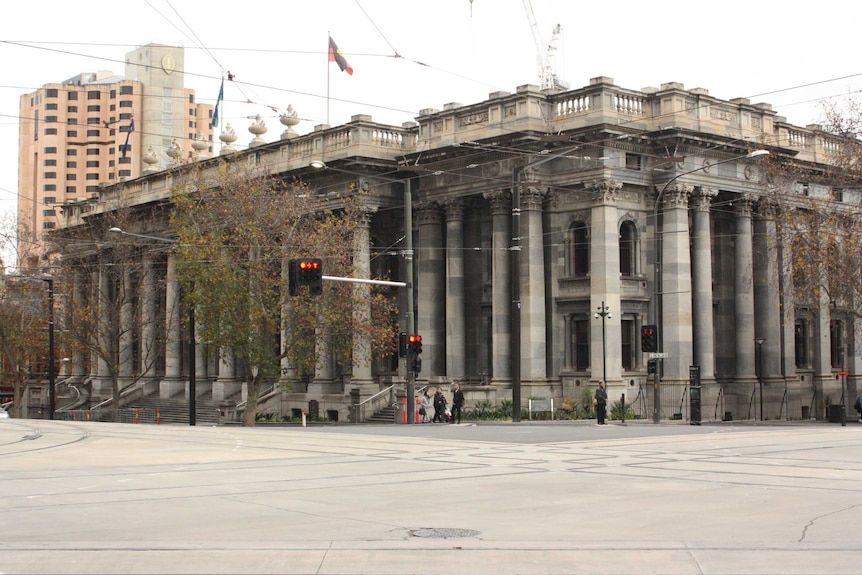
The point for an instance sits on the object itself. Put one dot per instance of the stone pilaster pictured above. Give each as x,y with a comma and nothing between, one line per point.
431,315
149,305
361,368
172,383
605,354
767,307
701,272
501,296
746,376
455,325
533,319
676,320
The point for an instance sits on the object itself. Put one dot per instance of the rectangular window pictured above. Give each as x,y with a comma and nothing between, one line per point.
837,195
51,118
72,152
94,95
49,225
71,177
50,150
71,109
49,213
92,163
126,90
71,165
50,131
628,348
92,189
92,133
579,340
125,104
633,162
92,176
112,94
51,93
51,106
800,334
73,121
93,108
49,188
127,159
92,121
92,151
71,189
48,200
125,173
71,133
72,96
49,175
50,162
836,343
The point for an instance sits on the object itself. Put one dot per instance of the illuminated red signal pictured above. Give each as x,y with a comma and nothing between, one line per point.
414,343
305,272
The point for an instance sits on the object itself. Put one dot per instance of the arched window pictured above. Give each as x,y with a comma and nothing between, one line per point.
579,249
628,251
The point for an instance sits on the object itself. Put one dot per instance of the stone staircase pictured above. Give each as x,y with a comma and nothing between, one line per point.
177,410
385,415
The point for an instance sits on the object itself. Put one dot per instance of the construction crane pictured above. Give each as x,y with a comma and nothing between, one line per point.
544,55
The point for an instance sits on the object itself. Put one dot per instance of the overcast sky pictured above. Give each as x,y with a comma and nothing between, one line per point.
789,55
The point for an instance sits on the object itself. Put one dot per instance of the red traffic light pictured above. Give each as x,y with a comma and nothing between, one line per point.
414,338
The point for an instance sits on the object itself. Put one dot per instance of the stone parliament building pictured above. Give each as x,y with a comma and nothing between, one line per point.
531,212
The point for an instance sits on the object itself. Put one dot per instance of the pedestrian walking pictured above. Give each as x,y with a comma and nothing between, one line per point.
425,405
457,403
601,400
439,407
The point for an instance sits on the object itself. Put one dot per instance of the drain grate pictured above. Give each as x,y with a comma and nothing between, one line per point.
443,533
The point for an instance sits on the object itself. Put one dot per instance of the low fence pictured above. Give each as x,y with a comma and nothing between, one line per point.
141,415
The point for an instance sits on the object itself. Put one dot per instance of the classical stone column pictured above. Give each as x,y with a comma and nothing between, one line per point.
79,300
605,353
796,398
149,305
455,325
225,384
102,382
701,276
533,320
676,326
126,335
501,295
431,316
767,307
172,383
746,377
361,376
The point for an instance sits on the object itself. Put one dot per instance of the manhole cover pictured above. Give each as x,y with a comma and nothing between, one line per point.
444,533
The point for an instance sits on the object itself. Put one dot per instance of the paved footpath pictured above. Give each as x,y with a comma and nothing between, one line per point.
524,498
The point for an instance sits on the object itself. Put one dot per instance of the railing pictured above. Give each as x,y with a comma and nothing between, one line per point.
379,400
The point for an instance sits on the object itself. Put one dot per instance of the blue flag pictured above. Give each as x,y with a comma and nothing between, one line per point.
218,101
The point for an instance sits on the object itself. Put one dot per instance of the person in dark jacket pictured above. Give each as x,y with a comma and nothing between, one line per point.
457,403
601,403
858,406
439,407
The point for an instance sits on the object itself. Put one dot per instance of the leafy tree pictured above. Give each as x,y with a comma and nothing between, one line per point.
23,334
236,230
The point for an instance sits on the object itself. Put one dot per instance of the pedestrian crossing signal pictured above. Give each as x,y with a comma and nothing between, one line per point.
649,338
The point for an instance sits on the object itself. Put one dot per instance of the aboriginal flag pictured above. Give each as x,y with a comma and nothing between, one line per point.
336,56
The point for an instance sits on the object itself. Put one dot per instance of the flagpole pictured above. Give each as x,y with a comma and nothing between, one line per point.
328,49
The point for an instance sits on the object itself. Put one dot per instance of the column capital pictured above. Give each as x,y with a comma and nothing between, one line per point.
676,195
428,213
500,201
532,198
744,205
702,196
454,208
607,191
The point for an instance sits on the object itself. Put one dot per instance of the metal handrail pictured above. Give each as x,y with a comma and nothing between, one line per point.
377,395
373,401
123,392
242,404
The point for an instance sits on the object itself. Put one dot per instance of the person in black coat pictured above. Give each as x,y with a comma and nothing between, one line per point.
457,403
601,403
439,407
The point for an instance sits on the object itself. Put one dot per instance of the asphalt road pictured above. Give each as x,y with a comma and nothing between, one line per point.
531,498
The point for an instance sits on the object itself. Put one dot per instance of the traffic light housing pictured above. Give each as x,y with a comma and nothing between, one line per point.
402,344
414,344
305,272
649,338
416,365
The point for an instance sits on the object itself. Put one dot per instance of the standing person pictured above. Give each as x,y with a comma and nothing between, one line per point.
601,403
457,403
425,405
439,407
858,406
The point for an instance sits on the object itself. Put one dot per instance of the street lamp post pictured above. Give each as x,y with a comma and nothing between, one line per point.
760,341
191,342
605,313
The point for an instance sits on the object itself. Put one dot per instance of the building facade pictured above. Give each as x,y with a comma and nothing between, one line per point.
79,135
548,228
